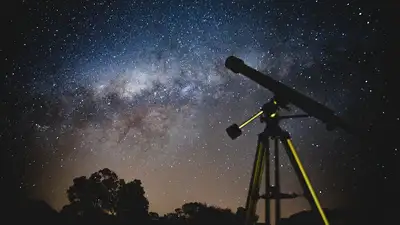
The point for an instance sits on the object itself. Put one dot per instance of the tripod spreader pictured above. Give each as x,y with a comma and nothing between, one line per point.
281,195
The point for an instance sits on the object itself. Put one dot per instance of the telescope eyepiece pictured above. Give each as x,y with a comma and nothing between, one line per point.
235,64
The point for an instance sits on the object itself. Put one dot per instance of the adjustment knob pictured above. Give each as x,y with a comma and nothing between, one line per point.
233,131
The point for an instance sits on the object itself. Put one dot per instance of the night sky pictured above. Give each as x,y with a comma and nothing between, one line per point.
140,87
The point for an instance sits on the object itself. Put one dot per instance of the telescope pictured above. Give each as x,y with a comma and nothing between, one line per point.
269,114
286,95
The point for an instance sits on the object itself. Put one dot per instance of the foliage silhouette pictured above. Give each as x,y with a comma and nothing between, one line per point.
154,216
104,199
104,194
98,192
132,203
201,213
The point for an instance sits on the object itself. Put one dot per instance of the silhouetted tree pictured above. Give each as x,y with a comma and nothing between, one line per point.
201,213
172,218
241,215
104,194
154,216
132,202
98,193
103,198
107,184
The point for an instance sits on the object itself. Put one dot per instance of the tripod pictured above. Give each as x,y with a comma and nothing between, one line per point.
269,116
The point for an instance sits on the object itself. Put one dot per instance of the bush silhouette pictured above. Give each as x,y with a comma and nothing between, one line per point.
103,194
132,203
104,199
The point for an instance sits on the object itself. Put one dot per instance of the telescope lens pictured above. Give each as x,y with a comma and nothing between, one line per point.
233,63
234,131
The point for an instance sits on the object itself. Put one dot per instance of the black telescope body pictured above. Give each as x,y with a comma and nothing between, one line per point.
287,95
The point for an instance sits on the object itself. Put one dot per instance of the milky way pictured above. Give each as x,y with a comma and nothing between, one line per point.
141,88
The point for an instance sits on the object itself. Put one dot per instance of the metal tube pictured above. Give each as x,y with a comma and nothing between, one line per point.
277,183
280,90
265,139
255,182
302,175
251,119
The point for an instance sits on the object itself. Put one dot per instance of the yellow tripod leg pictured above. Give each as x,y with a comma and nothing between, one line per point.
301,173
255,182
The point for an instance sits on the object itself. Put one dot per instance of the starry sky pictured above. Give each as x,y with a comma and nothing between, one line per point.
140,87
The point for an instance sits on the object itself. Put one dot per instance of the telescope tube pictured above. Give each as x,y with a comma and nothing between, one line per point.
287,94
